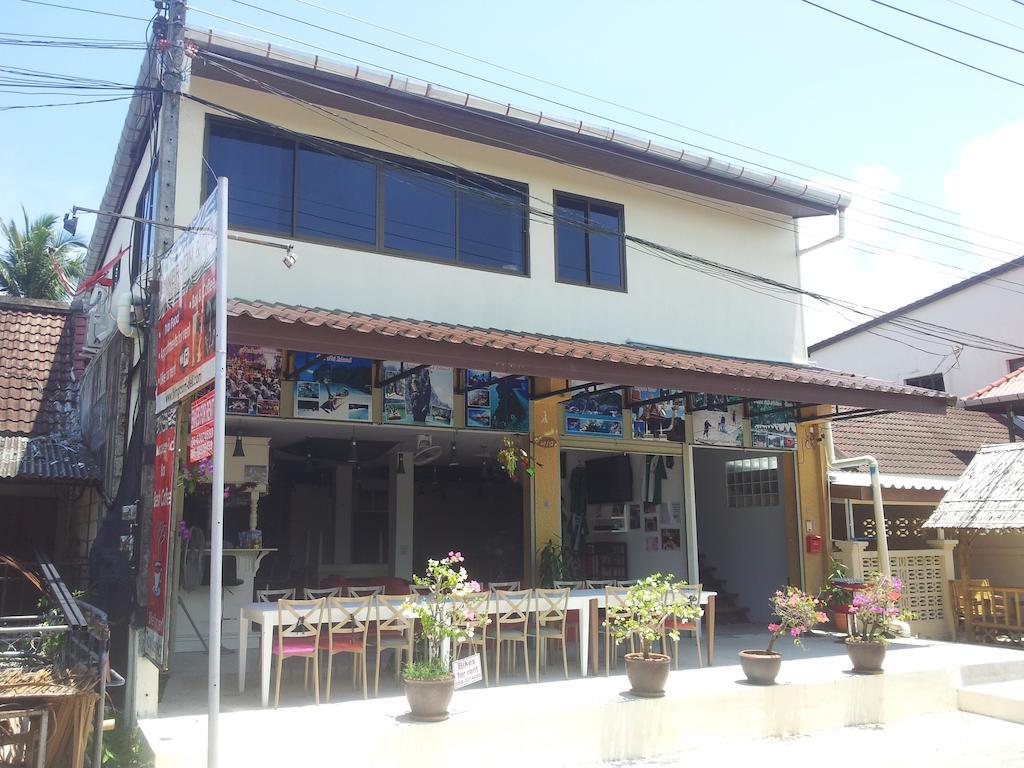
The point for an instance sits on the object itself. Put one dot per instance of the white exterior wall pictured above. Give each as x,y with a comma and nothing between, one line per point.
665,303
986,308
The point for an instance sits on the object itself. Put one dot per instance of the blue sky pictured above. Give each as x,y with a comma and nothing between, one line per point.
781,76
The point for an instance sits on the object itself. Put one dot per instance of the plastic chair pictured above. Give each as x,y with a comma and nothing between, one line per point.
570,584
600,583
512,611
552,608
625,582
394,631
494,586
689,593
298,635
346,633
313,594
273,595
366,590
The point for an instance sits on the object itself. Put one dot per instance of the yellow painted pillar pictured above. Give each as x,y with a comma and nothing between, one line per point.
543,523
813,511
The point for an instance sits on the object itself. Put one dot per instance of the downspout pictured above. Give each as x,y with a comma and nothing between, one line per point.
876,492
840,234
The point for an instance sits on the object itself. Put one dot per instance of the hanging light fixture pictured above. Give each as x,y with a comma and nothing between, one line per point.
453,455
309,462
239,452
401,464
353,453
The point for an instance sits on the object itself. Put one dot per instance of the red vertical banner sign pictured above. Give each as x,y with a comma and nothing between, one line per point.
158,584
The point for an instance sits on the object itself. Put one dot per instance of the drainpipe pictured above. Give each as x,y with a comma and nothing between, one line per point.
840,234
876,492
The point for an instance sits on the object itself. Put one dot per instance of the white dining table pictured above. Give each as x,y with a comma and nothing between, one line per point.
587,601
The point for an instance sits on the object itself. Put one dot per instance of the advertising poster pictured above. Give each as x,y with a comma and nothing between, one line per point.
423,397
200,429
333,387
254,380
594,414
156,635
494,401
772,424
658,421
717,420
187,323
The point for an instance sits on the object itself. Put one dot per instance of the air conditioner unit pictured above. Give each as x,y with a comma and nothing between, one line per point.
253,468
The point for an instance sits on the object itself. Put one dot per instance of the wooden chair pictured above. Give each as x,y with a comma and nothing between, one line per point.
600,583
512,614
625,582
615,605
313,594
689,593
273,595
347,628
494,586
366,590
421,590
552,609
474,606
298,635
393,631
570,584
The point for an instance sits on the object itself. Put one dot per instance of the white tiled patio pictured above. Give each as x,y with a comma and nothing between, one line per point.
579,721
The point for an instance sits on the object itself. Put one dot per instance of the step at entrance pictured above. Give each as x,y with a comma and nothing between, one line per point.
1004,701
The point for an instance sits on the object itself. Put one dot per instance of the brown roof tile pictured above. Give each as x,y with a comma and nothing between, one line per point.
45,458
917,443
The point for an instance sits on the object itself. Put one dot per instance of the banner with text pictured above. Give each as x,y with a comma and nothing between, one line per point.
200,429
187,311
154,644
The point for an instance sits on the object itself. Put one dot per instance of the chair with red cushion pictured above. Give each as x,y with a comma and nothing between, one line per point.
298,636
348,622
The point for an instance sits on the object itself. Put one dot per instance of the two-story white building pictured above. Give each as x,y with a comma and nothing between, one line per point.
467,271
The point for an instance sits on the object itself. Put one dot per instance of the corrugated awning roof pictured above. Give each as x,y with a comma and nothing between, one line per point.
989,494
518,352
999,394
46,458
902,482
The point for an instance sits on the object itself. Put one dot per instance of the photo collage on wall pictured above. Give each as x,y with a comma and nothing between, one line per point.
423,397
334,387
253,380
663,523
717,420
772,424
495,401
658,421
594,414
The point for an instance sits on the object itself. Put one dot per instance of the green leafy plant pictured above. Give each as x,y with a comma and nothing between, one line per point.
795,612
557,563
832,594
123,748
877,610
441,615
648,603
512,459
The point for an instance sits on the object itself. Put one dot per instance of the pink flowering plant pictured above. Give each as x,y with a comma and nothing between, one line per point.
648,603
443,614
877,609
795,612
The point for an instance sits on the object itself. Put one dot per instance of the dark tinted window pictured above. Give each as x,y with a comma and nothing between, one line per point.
419,213
491,227
588,242
336,197
259,170
931,381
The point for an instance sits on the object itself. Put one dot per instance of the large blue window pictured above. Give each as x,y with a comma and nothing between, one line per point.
419,213
492,226
336,197
589,242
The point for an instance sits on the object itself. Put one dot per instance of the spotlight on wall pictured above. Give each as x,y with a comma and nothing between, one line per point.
239,452
401,465
289,257
71,222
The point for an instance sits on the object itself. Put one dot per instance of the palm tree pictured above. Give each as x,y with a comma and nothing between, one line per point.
27,262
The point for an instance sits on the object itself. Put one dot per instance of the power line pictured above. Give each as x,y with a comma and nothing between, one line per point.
915,45
84,10
63,104
986,15
587,112
946,26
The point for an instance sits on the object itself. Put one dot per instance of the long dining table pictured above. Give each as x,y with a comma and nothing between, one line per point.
588,602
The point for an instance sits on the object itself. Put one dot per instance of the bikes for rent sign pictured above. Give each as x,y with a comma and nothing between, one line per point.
467,671
158,581
188,310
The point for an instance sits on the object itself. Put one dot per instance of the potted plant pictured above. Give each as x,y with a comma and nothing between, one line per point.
836,596
875,610
648,603
795,612
429,682
557,563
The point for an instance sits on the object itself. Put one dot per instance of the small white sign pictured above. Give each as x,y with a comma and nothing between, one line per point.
468,671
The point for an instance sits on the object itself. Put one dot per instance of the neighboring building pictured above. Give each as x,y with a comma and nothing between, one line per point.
988,304
48,478
466,270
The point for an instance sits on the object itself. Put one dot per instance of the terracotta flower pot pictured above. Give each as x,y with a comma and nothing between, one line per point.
647,676
428,699
867,655
761,667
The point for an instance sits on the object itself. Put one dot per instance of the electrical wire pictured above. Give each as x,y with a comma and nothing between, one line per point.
9,107
84,10
946,26
986,15
932,51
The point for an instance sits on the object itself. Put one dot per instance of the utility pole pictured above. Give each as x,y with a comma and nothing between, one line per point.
166,143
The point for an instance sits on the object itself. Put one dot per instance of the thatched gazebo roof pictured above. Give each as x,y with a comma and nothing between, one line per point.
989,494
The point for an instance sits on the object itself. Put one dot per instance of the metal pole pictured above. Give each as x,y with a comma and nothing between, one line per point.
217,521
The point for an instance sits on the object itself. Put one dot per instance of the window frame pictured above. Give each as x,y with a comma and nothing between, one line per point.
381,160
915,381
1014,364
620,208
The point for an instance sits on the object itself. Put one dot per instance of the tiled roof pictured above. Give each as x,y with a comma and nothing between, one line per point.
533,347
917,443
1008,389
45,458
38,390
